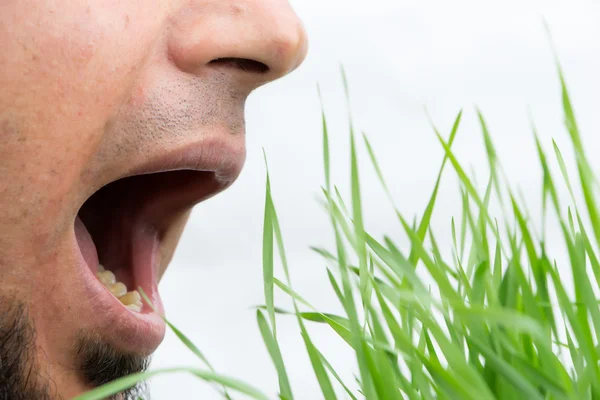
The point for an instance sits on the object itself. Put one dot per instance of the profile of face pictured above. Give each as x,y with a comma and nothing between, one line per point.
116,118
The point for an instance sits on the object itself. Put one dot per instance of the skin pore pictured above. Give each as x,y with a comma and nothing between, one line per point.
95,94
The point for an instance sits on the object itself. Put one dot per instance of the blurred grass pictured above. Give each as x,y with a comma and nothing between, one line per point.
496,320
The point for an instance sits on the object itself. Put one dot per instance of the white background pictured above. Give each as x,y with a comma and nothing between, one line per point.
400,56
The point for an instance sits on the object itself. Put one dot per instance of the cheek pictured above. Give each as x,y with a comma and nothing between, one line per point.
76,61
96,57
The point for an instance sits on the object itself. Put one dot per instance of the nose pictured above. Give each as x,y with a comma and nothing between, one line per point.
255,40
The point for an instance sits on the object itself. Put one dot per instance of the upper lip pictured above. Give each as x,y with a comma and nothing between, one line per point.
223,156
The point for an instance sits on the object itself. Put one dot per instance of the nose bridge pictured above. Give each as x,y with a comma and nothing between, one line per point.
267,31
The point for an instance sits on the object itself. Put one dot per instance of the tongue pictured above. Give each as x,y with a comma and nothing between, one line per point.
86,245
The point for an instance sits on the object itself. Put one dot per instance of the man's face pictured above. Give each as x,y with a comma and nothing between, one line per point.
116,117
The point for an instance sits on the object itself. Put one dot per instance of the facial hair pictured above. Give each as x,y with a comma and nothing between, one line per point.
21,377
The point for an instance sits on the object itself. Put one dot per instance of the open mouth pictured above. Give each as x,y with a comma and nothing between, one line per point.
119,232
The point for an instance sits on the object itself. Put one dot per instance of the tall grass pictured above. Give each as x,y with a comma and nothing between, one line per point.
495,320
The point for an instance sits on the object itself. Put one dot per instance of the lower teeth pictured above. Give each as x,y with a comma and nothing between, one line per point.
132,300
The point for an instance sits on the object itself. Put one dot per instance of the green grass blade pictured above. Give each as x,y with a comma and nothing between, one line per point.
127,382
465,180
319,369
563,169
336,287
337,377
526,388
426,219
184,339
358,221
586,176
267,253
438,275
275,353
377,168
548,187
492,155
326,153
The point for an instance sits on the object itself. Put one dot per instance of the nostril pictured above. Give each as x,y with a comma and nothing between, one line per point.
242,64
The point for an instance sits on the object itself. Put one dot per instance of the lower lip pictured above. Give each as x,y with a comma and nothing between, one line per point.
138,333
